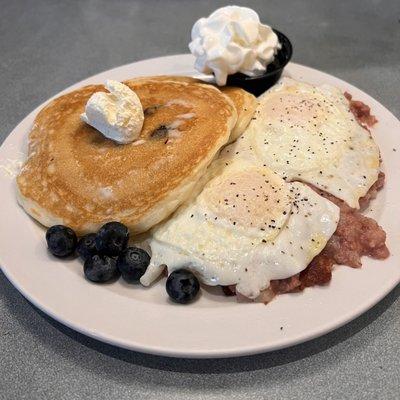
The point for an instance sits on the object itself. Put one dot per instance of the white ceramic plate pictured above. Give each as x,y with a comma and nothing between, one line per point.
215,326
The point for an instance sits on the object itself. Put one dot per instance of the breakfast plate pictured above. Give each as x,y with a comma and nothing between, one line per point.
145,320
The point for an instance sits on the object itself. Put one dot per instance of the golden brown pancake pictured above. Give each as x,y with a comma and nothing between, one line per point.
77,177
245,103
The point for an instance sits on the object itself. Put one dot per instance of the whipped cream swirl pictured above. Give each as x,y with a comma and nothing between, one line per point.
232,39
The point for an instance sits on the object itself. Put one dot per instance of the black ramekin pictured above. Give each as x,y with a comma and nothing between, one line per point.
259,84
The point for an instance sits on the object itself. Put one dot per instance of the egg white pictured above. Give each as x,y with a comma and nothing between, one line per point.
308,133
246,227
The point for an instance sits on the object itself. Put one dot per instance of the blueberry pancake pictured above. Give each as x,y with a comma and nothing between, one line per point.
76,177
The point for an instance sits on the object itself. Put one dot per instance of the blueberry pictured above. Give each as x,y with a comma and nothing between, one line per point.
61,240
100,268
182,286
87,246
132,263
112,238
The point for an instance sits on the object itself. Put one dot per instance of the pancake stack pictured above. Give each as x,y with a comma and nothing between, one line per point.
76,177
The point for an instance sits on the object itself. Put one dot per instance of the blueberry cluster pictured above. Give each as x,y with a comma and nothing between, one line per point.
106,255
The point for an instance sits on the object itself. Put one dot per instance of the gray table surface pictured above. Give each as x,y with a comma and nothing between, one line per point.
48,45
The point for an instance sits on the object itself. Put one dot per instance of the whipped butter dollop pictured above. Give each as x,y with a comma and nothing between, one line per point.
118,115
232,39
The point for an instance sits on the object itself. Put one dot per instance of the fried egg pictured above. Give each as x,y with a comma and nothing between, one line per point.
308,133
247,227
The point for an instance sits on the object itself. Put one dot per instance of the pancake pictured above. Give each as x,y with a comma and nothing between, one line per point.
245,103
77,177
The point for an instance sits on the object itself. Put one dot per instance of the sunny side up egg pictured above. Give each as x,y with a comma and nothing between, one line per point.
308,133
247,227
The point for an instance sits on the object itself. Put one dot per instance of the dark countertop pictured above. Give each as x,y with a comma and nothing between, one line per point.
46,46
